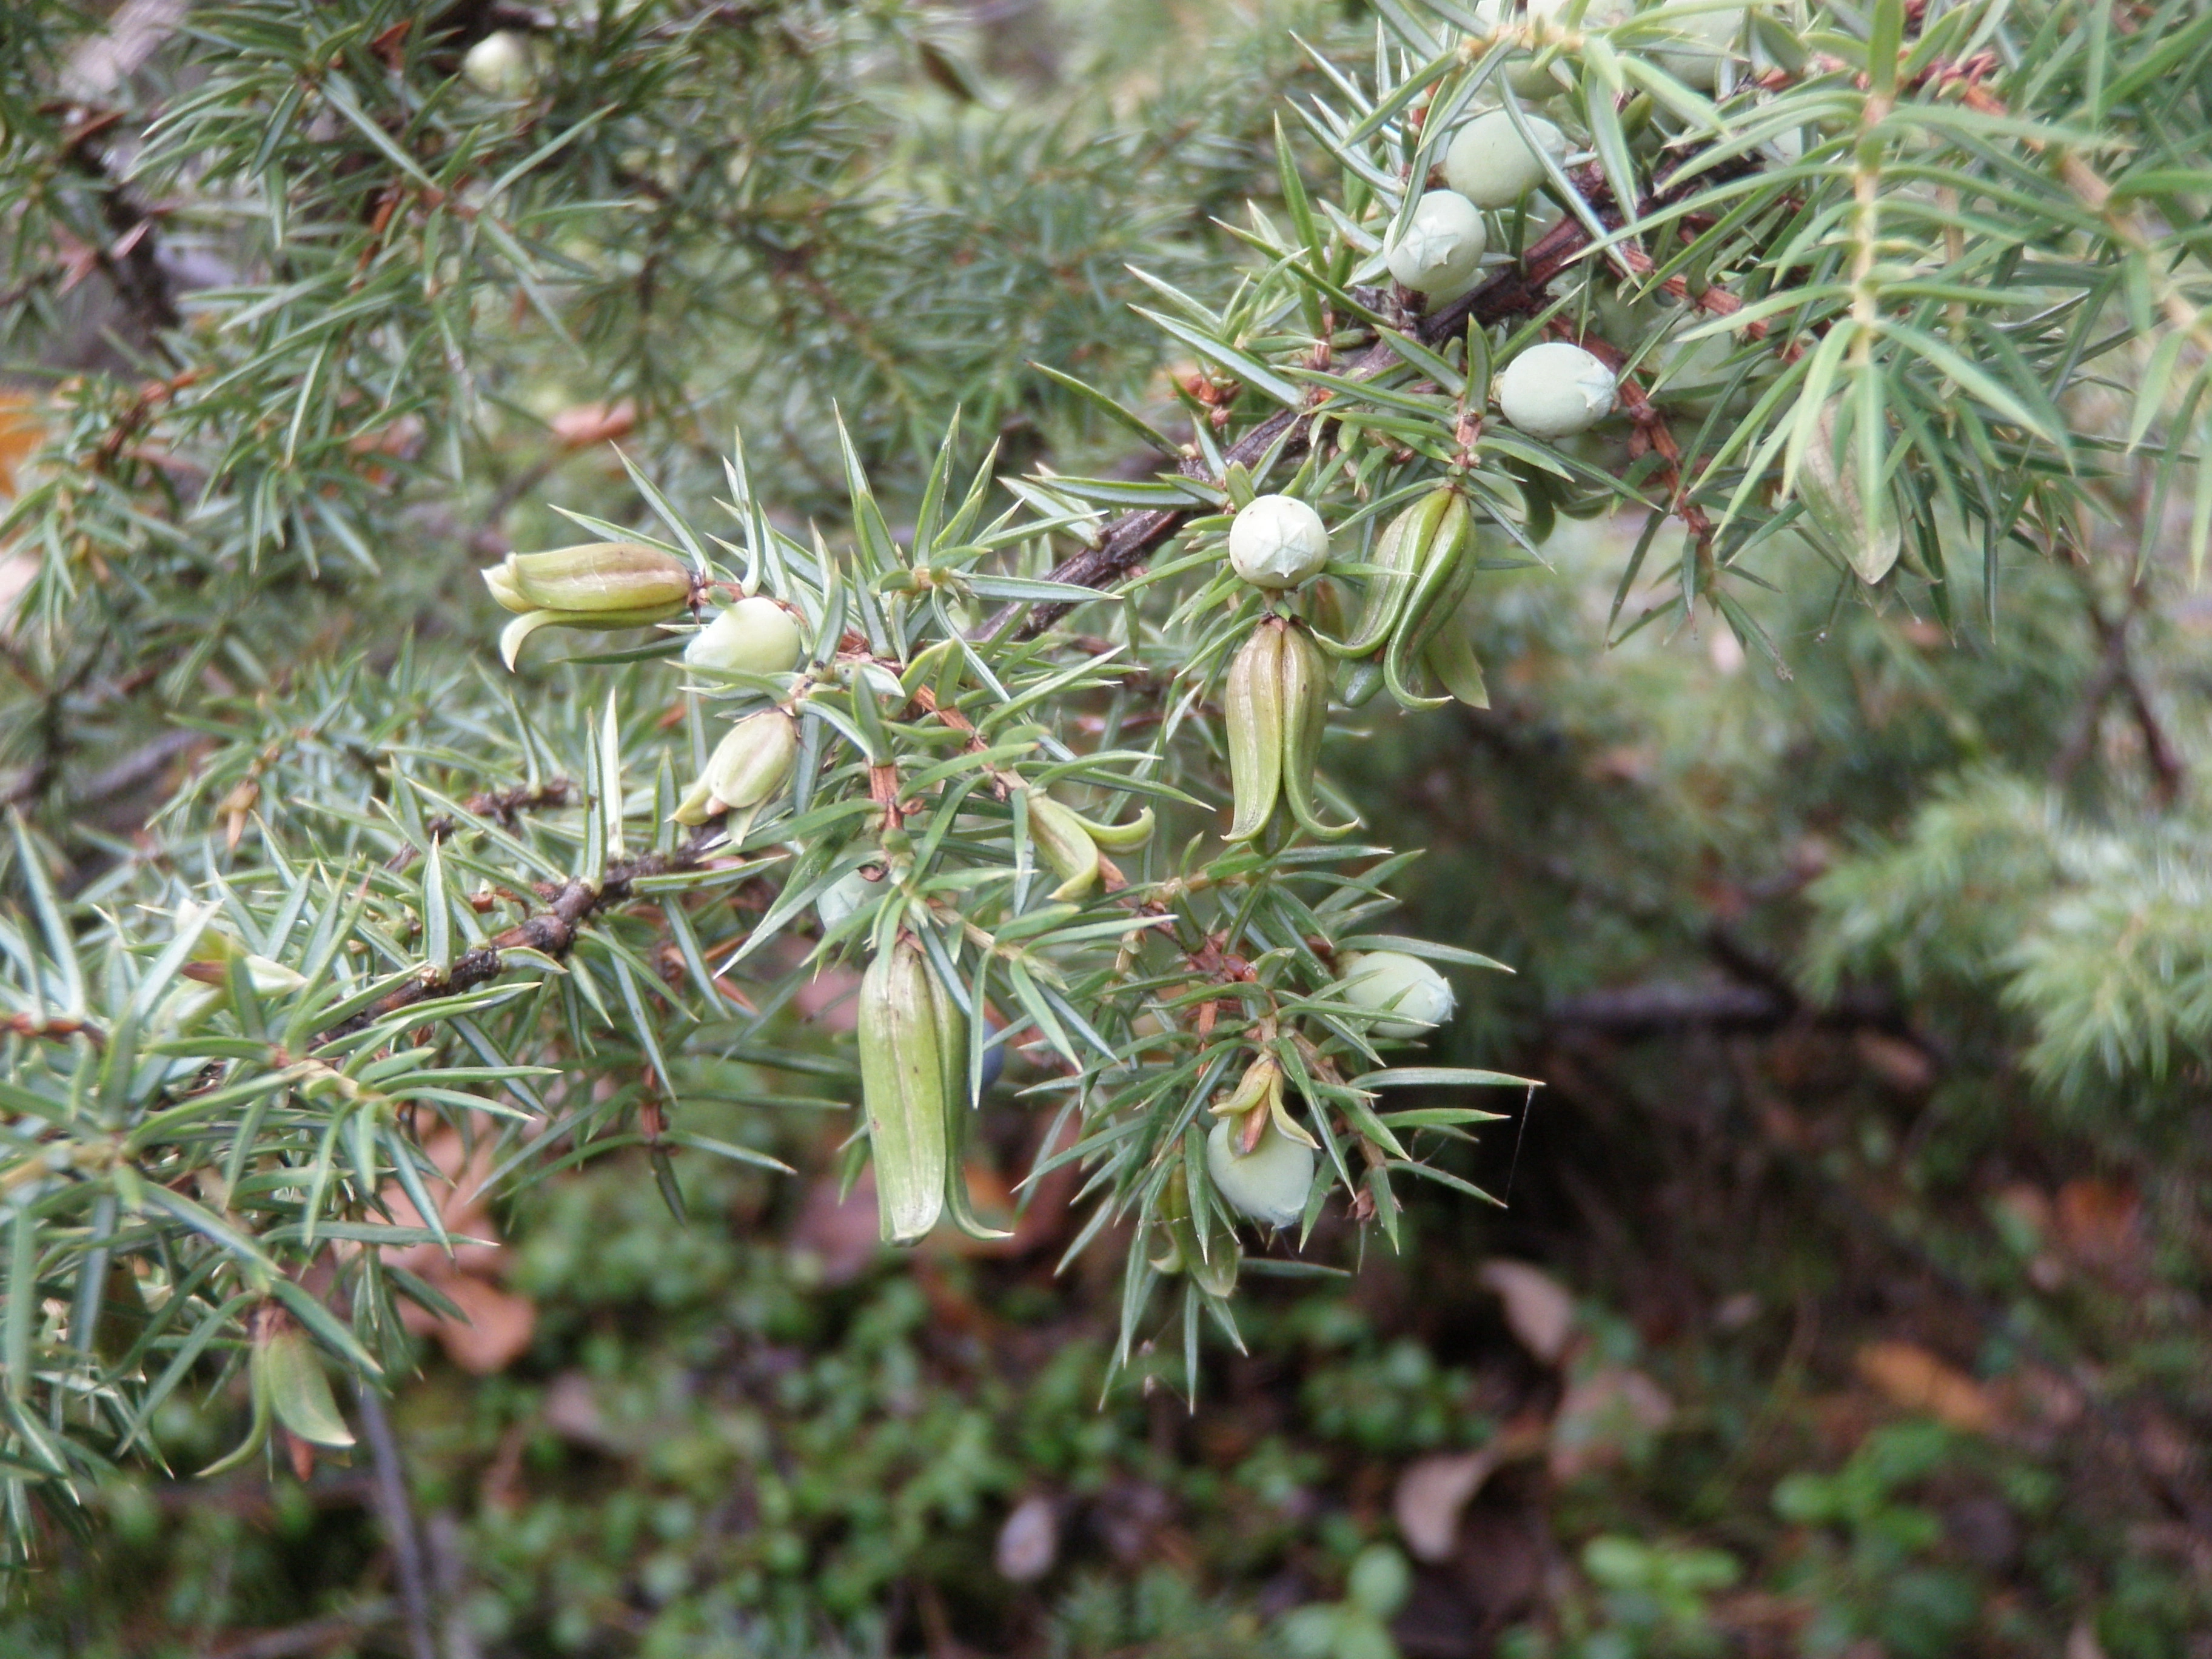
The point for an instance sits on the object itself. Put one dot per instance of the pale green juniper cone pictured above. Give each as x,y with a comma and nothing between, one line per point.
902,1089
1252,716
1268,1183
1409,998
1277,542
755,636
1305,717
748,769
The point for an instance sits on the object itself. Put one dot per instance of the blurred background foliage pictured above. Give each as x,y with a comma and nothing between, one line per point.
1849,1294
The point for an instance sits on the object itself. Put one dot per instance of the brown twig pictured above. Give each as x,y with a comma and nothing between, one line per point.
552,931
1516,291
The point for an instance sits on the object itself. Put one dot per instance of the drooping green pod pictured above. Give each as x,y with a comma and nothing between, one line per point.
1305,717
513,637
1398,550
1450,657
1066,844
600,576
1446,566
1252,714
299,1393
748,767
1361,681
500,577
1210,1257
952,1059
902,1091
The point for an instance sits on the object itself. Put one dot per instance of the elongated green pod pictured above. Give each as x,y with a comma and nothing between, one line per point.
1252,710
1445,568
1305,717
513,637
1119,837
902,1091
500,577
1361,681
1450,657
952,1056
256,1431
299,1391
599,576
1066,844
1399,549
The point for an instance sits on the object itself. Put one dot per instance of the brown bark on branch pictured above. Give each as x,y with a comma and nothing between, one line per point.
552,931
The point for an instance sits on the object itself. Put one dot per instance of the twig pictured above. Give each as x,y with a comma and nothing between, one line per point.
551,933
398,1520
1516,291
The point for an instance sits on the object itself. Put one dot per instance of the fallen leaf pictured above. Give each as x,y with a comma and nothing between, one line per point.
1029,1542
1912,1378
595,424
1605,1418
499,1328
1538,1310
2098,1219
1430,1493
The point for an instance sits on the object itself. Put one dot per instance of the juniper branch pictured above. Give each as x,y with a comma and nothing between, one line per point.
1516,291
552,931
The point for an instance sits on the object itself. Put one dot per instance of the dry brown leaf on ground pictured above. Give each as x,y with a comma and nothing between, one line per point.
499,1324
1911,1377
1430,1493
1538,1308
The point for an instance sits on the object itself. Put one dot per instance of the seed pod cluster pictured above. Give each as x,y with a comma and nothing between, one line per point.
913,1089
1275,708
598,585
1409,619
